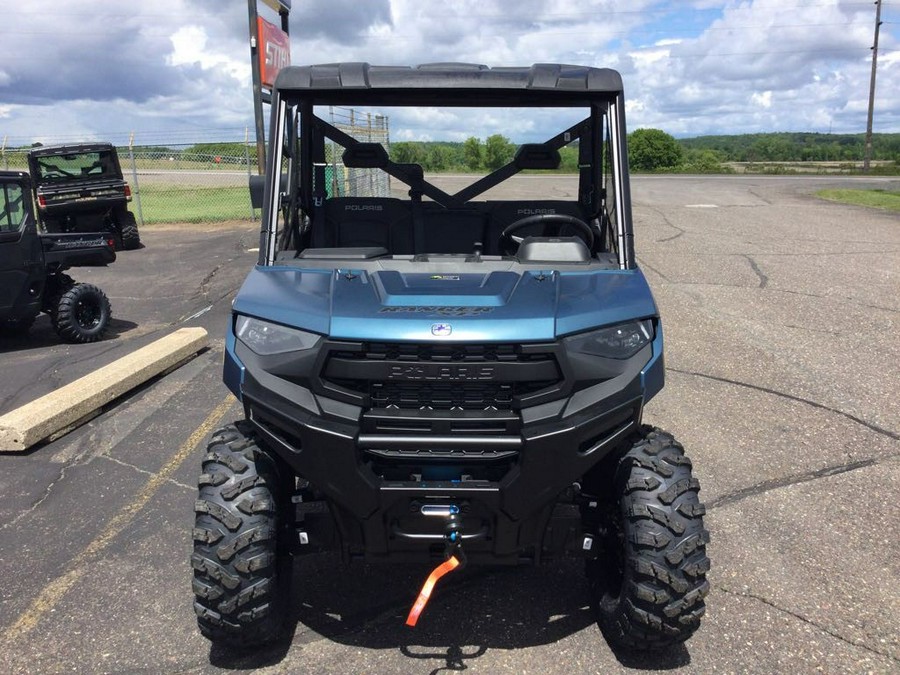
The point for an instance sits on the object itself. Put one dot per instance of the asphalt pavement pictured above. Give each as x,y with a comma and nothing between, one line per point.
781,319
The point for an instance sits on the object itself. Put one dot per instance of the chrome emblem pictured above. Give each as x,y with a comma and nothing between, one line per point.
441,329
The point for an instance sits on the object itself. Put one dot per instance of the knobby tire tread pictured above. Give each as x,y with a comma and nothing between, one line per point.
237,584
660,599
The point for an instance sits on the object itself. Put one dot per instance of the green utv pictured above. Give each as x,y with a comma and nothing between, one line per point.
80,188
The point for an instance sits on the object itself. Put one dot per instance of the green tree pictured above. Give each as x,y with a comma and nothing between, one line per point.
652,149
408,152
703,161
568,159
438,158
473,154
498,150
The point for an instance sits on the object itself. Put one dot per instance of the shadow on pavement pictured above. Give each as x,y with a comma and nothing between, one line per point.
42,335
479,609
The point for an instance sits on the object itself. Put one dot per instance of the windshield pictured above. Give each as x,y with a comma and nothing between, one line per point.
419,180
77,166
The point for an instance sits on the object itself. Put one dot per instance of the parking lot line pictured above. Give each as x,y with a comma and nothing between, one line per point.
56,589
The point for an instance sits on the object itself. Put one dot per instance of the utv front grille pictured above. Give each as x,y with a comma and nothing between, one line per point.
476,377
443,396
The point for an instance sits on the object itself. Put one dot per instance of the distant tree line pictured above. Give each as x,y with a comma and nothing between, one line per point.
656,150
473,154
648,150
796,147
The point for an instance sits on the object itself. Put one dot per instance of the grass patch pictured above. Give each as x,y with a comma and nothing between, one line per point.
876,199
194,204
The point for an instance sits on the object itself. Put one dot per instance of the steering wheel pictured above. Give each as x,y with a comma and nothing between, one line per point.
552,225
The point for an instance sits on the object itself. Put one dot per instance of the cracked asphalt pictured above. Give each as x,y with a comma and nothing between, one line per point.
781,318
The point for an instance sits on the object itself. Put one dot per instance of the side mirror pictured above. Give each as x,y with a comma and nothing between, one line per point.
537,156
366,156
258,189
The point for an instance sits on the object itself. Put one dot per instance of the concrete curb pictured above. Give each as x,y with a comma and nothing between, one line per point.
78,401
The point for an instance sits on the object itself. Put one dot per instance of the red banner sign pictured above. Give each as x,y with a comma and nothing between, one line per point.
274,51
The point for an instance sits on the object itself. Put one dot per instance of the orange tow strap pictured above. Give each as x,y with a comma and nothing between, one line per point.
445,567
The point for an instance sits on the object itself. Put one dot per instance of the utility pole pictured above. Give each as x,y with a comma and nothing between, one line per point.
257,89
868,156
283,7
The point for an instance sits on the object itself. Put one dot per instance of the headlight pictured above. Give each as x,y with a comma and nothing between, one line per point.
621,341
266,338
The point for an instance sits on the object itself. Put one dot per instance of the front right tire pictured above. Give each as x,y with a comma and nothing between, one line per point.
241,565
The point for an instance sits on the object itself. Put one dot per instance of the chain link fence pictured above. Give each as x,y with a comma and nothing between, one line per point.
353,182
197,183
208,182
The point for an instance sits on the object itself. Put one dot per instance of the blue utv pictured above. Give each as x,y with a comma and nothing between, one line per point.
448,367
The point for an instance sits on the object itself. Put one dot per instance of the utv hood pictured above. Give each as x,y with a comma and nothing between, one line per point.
499,306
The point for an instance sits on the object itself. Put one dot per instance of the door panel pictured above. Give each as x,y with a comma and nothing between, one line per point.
17,252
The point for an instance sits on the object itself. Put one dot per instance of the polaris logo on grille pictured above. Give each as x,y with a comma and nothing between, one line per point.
441,329
434,372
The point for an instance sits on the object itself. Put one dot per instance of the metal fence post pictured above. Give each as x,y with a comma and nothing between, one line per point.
3,152
371,172
335,183
384,178
387,143
134,177
249,174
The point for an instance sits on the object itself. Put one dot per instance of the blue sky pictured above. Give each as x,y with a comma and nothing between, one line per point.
175,71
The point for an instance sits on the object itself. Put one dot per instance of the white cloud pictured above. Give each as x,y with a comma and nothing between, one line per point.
190,45
99,67
762,99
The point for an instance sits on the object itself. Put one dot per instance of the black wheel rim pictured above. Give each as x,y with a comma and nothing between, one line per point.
88,314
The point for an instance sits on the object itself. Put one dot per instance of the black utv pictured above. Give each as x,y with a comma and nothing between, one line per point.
33,265
80,188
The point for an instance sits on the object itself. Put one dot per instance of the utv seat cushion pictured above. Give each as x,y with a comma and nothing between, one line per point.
352,222
450,230
504,214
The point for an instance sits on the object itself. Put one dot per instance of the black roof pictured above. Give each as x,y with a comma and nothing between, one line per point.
362,81
70,149
13,174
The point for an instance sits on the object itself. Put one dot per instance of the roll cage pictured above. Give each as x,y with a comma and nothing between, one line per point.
296,195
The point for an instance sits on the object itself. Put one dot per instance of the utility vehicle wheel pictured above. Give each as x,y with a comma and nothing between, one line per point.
240,560
82,314
128,231
650,592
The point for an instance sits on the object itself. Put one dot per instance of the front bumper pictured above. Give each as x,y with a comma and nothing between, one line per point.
503,472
